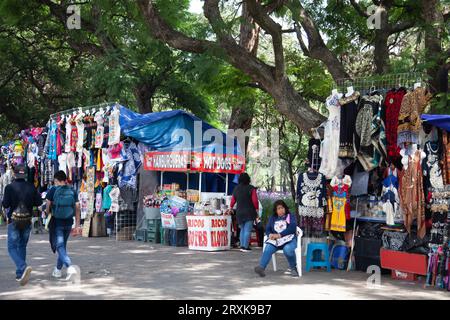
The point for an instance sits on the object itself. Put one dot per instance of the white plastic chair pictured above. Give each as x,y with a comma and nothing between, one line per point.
298,252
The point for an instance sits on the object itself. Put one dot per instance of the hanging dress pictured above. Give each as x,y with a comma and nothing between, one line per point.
349,111
311,194
390,198
412,199
432,173
331,165
392,104
340,203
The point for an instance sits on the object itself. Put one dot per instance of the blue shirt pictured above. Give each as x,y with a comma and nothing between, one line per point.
291,226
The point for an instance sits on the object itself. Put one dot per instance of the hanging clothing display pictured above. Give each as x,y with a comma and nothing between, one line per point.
52,152
432,173
349,111
390,197
68,142
114,195
331,165
370,132
446,156
340,203
114,127
413,105
313,154
412,199
392,104
311,195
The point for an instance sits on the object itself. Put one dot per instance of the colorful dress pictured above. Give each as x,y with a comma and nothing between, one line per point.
340,203
114,127
392,104
412,200
311,194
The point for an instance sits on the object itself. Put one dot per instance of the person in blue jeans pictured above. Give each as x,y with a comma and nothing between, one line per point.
247,205
60,228
20,193
281,230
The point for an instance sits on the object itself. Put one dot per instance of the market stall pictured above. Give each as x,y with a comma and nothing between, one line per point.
186,170
378,180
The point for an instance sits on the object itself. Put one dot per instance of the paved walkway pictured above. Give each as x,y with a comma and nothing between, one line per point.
136,270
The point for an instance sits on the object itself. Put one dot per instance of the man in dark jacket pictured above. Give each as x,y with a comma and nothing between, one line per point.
17,193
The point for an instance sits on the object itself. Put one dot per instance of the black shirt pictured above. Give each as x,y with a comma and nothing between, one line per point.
21,190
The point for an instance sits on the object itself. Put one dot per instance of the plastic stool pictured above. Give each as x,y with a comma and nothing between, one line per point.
310,261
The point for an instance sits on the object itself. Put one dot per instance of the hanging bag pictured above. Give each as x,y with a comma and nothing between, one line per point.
21,216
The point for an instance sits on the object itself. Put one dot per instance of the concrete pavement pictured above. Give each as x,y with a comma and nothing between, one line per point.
136,270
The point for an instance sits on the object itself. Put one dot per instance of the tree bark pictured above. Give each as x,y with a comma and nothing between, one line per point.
438,70
143,94
381,50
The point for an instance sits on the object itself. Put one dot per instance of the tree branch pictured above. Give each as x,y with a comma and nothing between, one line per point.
401,26
274,29
316,46
358,9
162,31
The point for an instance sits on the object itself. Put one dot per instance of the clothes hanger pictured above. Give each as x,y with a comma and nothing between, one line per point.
350,91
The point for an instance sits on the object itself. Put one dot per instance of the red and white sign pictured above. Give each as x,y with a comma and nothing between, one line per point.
195,161
167,161
209,233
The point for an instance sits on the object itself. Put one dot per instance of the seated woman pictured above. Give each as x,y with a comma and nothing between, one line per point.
281,230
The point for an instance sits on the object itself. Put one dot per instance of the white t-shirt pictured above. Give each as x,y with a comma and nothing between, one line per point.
80,129
68,135
114,195
84,199
62,161
114,127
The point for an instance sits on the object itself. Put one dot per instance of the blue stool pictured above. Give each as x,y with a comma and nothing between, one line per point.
311,262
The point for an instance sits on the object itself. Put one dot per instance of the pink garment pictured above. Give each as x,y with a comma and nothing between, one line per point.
114,151
36,132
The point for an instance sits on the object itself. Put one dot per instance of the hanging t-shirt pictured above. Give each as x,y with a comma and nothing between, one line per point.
100,130
62,162
114,194
80,129
67,146
114,127
106,198
84,199
52,154
98,202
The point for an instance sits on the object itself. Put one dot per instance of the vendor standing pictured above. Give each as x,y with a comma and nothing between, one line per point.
246,200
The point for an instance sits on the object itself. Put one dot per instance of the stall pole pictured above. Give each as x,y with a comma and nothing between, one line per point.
162,173
226,184
200,188
187,181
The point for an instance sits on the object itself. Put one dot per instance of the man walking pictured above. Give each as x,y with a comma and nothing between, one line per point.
63,203
19,199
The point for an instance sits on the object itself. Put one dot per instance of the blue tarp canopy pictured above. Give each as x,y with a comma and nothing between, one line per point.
438,120
176,130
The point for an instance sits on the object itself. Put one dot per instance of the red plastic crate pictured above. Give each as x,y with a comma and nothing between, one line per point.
399,275
404,262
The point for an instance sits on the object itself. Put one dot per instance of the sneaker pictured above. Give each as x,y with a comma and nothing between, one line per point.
259,270
56,273
71,271
288,271
245,249
294,273
26,276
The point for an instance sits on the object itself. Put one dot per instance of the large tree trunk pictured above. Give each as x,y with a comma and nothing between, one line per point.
438,70
381,50
144,94
242,115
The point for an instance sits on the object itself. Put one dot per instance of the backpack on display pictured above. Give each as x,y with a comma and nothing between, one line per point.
64,203
21,216
339,257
